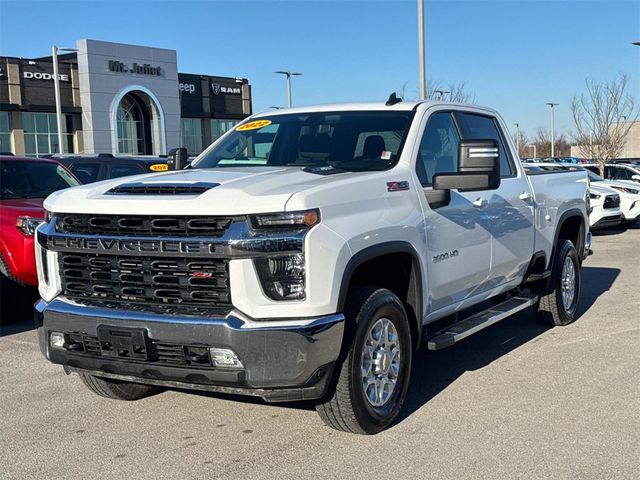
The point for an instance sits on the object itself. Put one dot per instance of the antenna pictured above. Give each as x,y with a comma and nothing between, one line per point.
393,99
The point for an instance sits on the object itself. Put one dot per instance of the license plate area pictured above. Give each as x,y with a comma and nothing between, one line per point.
125,343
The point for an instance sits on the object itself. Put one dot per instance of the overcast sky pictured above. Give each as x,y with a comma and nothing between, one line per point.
514,55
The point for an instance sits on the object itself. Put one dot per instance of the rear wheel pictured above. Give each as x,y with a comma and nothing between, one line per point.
371,382
559,306
117,389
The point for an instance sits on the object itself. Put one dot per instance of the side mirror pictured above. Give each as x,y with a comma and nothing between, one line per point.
479,168
177,158
635,178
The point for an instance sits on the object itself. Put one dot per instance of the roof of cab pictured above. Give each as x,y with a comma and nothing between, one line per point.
404,105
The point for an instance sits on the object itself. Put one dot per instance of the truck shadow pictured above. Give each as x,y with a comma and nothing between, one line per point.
433,372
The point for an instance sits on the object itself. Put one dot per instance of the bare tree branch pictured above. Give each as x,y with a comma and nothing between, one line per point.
603,116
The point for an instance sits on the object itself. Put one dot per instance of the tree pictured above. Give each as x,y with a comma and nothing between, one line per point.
438,90
542,141
449,92
598,115
520,138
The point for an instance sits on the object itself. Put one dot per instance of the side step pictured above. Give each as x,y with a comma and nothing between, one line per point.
456,332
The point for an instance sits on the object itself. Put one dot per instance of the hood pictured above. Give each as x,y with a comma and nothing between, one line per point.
602,189
224,191
27,207
622,184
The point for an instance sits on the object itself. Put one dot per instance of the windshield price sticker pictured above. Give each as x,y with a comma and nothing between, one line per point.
253,125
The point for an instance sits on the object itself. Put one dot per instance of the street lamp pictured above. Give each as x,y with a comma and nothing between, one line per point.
553,133
517,138
535,153
442,93
56,90
636,43
289,75
421,52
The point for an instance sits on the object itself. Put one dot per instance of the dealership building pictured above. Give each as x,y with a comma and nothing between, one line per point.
116,98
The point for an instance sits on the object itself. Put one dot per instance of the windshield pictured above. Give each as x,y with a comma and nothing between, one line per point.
354,141
593,177
24,179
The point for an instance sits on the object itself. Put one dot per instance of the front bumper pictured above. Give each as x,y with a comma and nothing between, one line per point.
609,221
282,360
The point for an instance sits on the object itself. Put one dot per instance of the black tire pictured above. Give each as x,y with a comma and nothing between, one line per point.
116,389
345,407
551,309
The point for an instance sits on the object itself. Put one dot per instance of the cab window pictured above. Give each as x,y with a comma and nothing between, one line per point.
483,127
86,172
438,148
116,171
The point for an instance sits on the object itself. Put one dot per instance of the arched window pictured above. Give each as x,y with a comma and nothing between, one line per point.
130,125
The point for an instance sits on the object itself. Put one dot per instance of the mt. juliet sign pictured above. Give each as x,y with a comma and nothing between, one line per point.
146,69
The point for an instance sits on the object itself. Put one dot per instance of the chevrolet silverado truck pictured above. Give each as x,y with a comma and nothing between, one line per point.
305,255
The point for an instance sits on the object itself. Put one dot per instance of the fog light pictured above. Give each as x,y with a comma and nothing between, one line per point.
224,357
57,340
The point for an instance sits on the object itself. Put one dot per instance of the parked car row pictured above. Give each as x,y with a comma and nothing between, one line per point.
611,202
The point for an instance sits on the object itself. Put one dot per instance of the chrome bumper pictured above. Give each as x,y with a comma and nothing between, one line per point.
282,360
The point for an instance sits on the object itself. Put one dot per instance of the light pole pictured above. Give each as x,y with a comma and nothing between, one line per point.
517,138
421,52
553,133
289,75
56,91
535,153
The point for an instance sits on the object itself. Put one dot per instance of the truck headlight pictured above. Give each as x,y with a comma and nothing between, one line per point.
594,196
300,219
282,278
28,225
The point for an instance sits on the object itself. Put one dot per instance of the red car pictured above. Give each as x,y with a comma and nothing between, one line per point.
24,184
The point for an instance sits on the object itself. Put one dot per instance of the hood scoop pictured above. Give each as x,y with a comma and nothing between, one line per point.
141,188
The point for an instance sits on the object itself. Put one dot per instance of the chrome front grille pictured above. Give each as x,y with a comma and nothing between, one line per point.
147,281
142,225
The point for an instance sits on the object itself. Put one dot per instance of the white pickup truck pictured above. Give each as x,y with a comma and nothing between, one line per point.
305,255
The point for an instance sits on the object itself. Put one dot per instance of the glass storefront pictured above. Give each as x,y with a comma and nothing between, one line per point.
129,122
192,135
5,133
41,134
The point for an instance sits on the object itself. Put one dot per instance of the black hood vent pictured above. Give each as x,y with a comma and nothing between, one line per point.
140,188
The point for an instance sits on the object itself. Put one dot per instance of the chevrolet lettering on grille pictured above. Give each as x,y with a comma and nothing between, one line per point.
131,247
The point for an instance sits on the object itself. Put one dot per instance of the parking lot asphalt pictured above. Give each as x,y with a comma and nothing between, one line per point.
518,400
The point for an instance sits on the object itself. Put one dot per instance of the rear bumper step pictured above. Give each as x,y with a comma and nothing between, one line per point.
460,330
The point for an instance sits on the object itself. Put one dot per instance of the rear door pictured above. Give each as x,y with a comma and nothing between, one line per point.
458,244
510,208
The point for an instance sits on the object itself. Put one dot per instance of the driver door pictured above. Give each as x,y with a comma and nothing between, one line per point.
458,243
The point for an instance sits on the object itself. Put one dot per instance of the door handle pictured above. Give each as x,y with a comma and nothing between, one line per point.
525,196
480,202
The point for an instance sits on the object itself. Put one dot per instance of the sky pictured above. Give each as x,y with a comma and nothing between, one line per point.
513,55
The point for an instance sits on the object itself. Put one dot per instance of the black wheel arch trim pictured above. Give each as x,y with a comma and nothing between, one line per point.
414,295
571,213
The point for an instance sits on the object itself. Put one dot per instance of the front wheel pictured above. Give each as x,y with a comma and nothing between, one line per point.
559,306
371,383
